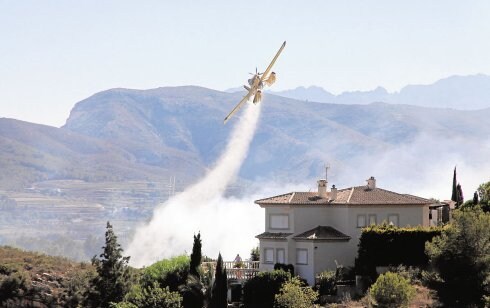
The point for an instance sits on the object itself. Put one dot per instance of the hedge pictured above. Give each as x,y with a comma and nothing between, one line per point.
385,245
260,291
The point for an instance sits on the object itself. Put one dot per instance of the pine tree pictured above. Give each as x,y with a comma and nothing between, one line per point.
113,277
220,286
196,256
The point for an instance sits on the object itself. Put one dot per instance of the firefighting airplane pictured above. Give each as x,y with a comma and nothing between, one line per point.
256,84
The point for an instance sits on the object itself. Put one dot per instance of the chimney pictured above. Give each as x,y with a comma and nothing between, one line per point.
371,183
322,188
333,193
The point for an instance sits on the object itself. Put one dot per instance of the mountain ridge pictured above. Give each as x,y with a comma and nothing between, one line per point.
458,92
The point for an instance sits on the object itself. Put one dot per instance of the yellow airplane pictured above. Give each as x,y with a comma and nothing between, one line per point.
256,84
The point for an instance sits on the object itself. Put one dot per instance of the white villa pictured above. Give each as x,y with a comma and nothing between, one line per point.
312,230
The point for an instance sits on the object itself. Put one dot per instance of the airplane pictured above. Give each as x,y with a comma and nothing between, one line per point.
256,84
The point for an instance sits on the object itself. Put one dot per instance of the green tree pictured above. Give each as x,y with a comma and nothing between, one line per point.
392,290
484,192
461,256
220,286
113,278
170,273
196,256
294,294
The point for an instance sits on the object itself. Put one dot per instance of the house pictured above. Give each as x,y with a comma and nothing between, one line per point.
313,230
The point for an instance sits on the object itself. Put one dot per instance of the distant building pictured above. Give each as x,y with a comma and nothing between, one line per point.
312,230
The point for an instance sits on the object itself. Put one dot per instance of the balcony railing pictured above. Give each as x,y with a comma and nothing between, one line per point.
240,271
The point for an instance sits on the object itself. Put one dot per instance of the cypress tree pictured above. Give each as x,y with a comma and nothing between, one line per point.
196,256
475,198
460,195
220,286
113,277
454,195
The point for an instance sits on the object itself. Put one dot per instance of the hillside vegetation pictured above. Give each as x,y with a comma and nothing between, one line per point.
30,278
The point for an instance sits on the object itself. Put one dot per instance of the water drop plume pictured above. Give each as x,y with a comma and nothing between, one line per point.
226,225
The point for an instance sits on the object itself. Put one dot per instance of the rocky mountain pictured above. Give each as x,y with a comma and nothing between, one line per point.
456,92
122,134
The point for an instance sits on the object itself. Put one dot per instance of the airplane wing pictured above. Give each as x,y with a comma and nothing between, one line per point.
266,72
239,105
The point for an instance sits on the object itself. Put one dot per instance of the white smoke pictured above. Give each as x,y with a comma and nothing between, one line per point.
226,225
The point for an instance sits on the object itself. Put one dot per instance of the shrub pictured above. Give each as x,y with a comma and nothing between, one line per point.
13,286
327,283
294,294
151,297
260,291
168,273
285,267
413,274
192,293
392,290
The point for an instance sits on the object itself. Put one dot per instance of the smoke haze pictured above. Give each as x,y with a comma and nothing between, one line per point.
226,225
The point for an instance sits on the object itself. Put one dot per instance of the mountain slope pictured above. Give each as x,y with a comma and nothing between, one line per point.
123,134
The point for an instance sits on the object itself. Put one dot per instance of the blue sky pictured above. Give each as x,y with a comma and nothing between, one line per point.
56,53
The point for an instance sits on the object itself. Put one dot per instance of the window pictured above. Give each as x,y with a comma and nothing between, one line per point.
372,219
361,221
301,256
268,255
280,255
393,219
279,221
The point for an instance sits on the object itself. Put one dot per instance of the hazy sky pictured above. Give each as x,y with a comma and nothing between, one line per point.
56,53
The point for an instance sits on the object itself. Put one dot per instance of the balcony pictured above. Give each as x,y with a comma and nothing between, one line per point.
239,272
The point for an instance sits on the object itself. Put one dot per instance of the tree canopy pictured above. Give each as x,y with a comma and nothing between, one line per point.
461,255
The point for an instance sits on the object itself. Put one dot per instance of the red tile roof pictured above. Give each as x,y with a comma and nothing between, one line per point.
323,233
359,195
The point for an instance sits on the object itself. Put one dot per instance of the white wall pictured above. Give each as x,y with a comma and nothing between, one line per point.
279,210
305,271
326,253
274,244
